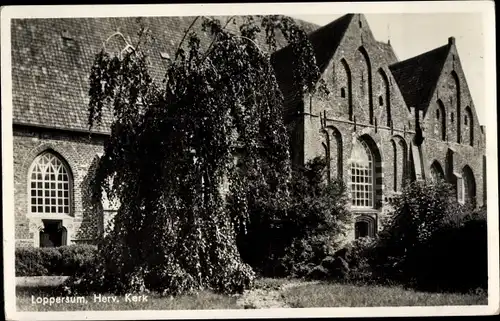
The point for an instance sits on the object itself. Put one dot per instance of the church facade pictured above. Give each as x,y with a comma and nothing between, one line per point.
384,122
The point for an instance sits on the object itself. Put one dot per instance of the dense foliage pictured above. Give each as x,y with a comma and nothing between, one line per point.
287,237
65,260
430,242
171,153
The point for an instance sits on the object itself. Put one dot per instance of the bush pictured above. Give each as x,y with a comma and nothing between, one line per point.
77,259
64,260
291,236
431,242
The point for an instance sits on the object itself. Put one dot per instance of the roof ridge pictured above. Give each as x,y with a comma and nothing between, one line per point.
447,46
417,76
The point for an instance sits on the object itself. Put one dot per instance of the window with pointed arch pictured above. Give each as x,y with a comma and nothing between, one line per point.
50,185
362,176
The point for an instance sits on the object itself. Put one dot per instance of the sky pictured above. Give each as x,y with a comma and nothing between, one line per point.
415,33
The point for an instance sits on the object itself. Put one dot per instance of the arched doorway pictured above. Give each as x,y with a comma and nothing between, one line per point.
53,234
364,227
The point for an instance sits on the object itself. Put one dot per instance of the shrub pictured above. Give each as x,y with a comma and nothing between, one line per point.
352,262
76,259
432,242
29,262
64,260
291,236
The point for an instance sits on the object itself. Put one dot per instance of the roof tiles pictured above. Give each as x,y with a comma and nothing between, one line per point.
417,77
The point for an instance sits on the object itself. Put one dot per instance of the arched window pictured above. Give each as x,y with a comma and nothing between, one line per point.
365,81
436,172
400,158
469,126
441,121
385,94
454,86
346,74
50,185
362,176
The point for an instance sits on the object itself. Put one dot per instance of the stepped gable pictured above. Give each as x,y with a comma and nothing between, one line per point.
52,58
417,77
325,41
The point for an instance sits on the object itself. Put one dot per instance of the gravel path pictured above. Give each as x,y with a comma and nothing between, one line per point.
267,298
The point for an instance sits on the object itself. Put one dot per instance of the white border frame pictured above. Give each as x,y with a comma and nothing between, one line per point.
484,7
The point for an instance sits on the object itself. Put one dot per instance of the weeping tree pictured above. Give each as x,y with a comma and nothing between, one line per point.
172,150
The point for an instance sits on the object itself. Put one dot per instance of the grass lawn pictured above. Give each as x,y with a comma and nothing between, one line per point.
287,293
343,295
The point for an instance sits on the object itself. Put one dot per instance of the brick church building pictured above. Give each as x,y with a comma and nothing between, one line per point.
385,121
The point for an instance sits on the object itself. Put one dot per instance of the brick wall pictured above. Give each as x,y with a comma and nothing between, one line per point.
370,104
76,150
343,117
454,153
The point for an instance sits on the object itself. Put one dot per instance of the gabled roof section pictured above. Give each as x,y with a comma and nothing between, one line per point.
417,77
325,41
52,59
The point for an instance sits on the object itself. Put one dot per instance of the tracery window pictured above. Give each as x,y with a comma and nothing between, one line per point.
362,176
50,190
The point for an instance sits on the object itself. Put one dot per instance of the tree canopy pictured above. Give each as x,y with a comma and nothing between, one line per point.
170,158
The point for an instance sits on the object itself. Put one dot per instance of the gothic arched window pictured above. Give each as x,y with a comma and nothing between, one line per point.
469,126
454,87
385,92
365,81
50,185
441,124
362,176
346,75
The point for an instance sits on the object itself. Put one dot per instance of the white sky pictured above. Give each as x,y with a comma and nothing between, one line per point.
415,33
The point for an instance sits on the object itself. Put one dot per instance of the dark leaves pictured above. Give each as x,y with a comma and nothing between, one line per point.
172,150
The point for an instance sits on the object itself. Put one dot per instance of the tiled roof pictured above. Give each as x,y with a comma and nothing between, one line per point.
51,61
325,41
417,77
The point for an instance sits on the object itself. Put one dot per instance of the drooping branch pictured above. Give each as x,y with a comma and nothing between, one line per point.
184,37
